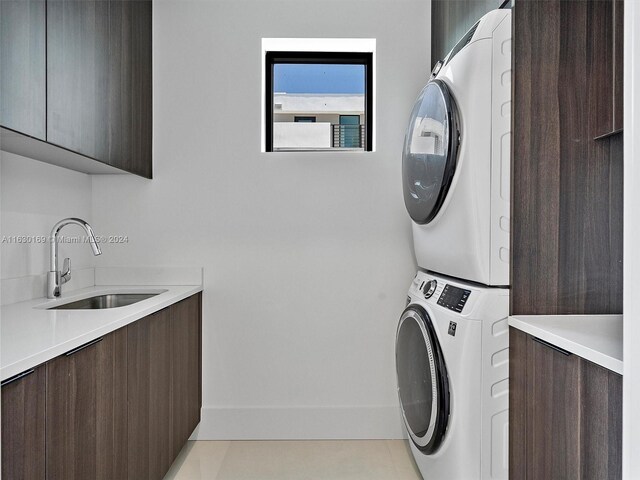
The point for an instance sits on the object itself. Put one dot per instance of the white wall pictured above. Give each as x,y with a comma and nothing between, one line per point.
307,256
631,379
33,197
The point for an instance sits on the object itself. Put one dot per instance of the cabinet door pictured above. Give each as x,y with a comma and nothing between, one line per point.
77,76
186,364
618,64
99,97
22,66
600,41
23,427
86,427
149,391
601,420
565,414
553,413
130,86
544,388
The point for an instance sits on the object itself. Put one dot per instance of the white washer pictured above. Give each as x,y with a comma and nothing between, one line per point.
452,364
456,158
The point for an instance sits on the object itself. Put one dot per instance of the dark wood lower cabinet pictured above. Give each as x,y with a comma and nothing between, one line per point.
186,369
87,411
119,407
601,433
149,380
164,379
23,427
565,418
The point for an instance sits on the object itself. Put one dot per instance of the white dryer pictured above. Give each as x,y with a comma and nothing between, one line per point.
452,364
456,158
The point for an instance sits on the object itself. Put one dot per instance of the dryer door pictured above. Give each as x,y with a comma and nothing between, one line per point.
430,152
423,385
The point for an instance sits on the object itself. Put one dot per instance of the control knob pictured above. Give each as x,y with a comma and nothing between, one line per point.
429,288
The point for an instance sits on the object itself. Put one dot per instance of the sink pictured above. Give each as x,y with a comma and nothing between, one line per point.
111,300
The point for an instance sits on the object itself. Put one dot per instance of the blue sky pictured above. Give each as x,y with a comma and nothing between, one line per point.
318,78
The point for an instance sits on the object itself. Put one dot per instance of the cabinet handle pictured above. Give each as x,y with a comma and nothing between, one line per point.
551,346
17,377
82,347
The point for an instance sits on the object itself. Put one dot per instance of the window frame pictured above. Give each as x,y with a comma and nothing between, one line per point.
313,58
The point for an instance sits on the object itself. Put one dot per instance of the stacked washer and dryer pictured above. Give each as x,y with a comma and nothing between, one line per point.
452,339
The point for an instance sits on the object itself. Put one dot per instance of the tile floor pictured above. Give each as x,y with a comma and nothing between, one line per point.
295,460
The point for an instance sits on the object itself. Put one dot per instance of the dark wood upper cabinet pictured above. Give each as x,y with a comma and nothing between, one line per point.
149,370
605,66
566,187
23,426
22,66
618,64
565,414
86,420
99,89
130,86
78,76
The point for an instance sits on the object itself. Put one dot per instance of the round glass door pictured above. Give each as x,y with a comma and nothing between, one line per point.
423,386
430,152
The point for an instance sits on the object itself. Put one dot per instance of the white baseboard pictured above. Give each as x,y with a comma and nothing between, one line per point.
299,423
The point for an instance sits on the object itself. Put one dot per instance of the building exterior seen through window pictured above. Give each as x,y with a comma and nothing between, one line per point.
318,101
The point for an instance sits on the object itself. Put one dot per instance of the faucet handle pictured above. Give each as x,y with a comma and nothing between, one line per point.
65,275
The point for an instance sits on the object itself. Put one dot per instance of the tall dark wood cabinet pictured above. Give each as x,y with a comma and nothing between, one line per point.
22,66
149,383
86,421
23,426
566,209
567,420
99,87
186,369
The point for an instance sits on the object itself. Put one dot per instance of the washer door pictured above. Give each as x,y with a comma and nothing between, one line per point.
423,385
430,152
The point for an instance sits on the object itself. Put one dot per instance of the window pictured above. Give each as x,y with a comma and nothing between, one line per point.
299,119
318,100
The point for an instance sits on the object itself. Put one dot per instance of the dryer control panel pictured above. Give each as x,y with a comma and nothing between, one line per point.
453,298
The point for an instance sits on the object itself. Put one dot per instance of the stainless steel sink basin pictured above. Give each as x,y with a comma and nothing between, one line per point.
112,300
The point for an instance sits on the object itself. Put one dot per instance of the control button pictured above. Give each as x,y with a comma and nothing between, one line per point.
429,288
453,298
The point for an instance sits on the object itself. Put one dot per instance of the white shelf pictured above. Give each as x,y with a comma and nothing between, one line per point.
597,338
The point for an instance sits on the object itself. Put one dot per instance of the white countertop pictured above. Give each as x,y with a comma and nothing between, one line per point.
30,334
597,338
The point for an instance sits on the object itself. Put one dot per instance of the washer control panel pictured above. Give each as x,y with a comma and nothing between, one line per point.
453,298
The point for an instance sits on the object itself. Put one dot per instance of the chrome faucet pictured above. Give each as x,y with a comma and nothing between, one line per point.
55,277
